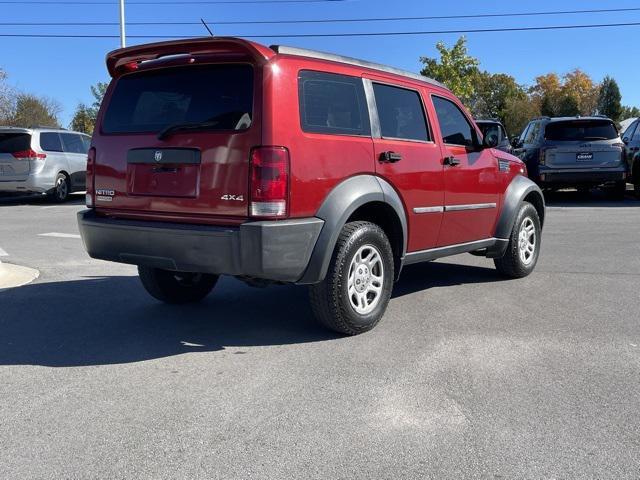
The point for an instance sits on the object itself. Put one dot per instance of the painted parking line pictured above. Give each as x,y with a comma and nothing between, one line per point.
59,235
3,253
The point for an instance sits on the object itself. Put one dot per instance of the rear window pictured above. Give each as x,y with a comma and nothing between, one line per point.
334,104
14,142
149,102
579,130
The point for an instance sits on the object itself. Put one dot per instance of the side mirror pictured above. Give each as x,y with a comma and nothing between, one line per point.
625,140
515,142
490,141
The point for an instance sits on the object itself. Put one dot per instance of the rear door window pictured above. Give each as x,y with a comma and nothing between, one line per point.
14,142
220,97
333,104
73,143
454,126
401,113
50,142
580,130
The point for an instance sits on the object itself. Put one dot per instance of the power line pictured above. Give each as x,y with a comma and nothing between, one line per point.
337,20
170,2
345,34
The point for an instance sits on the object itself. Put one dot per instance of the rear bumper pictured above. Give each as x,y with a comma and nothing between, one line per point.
271,250
33,183
581,177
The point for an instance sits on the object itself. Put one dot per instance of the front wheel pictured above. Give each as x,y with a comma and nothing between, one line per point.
523,249
176,287
355,293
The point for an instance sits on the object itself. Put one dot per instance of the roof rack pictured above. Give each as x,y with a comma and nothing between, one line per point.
303,52
47,126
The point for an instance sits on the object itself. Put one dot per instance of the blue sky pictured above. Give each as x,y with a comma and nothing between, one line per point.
65,68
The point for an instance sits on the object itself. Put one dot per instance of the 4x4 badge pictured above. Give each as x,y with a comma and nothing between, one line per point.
158,156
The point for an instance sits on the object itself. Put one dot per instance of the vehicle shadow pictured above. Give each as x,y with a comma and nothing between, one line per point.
593,198
112,320
10,200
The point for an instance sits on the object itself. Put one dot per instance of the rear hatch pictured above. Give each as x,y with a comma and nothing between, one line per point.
175,133
582,144
15,155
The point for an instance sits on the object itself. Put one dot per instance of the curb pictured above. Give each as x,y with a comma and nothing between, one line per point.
12,276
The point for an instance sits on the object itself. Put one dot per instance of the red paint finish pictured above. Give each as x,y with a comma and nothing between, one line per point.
318,162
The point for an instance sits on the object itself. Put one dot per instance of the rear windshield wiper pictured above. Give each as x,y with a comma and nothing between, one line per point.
186,126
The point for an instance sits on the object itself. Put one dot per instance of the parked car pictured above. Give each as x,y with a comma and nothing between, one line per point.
43,160
631,140
495,127
579,152
224,157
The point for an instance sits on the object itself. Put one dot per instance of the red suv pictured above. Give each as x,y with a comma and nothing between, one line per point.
220,156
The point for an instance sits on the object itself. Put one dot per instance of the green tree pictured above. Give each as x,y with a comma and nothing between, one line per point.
568,106
456,69
492,93
518,112
83,120
32,110
610,100
630,112
98,90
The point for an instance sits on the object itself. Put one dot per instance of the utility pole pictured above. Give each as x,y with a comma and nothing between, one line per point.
123,40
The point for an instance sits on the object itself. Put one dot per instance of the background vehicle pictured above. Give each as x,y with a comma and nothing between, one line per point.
43,160
579,152
495,127
631,140
221,156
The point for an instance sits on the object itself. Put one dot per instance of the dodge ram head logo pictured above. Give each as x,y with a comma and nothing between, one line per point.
157,156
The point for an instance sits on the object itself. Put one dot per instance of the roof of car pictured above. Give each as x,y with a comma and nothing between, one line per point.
568,119
36,128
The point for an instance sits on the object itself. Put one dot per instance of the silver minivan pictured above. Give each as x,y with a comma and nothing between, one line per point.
43,160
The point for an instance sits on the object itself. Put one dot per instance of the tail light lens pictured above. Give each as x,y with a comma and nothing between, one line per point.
544,152
29,155
269,188
91,165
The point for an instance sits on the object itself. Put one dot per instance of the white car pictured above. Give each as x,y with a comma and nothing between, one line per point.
43,160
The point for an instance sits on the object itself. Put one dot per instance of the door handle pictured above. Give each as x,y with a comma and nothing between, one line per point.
451,161
390,157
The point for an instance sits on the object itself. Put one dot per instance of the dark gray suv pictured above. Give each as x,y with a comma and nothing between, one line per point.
580,152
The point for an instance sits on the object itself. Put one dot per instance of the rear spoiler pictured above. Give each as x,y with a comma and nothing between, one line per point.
195,46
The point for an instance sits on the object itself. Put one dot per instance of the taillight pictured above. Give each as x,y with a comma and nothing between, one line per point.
543,154
269,188
91,165
29,155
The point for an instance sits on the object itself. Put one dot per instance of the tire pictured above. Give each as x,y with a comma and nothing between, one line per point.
516,262
62,188
362,263
618,190
176,287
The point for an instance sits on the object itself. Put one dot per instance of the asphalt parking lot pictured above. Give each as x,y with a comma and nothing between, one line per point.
468,375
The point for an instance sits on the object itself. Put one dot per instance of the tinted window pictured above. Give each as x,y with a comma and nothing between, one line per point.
332,104
628,133
14,142
221,95
579,130
87,142
400,113
73,143
491,129
532,133
455,128
50,142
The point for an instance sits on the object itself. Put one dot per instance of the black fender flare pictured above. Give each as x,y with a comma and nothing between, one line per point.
336,209
519,188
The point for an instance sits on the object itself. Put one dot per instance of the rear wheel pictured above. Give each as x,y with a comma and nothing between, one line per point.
355,293
524,245
176,287
619,190
62,188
